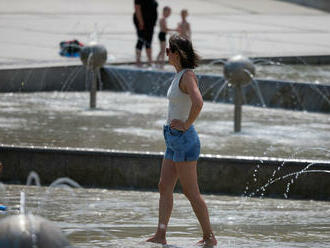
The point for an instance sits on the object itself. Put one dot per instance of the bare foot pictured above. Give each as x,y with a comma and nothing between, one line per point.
158,240
208,241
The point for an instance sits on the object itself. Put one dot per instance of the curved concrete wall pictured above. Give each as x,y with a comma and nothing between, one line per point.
135,170
275,93
57,78
318,4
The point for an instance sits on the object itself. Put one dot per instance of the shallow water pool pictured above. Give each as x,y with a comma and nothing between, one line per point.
118,218
132,122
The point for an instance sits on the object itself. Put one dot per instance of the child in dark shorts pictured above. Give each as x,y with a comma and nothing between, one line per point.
162,35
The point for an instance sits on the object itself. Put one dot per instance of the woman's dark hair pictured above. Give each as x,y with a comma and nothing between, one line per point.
188,57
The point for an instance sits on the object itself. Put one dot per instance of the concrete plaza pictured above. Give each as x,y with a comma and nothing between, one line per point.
31,30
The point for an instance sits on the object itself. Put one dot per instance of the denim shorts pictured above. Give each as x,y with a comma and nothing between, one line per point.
181,146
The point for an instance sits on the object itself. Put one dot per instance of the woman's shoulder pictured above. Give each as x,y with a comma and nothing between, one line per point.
188,75
188,80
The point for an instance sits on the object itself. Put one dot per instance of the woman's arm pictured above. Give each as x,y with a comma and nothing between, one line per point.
138,13
189,86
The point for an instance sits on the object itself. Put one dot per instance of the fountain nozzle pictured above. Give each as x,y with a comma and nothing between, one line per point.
239,70
28,231
93,56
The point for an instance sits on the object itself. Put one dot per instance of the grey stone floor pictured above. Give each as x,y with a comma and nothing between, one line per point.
31,30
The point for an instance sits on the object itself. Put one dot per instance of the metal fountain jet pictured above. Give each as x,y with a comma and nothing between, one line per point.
239,71
93,56
29,231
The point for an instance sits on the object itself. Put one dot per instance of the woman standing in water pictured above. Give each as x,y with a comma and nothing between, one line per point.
182,142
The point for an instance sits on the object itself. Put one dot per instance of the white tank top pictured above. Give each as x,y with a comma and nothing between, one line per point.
179,102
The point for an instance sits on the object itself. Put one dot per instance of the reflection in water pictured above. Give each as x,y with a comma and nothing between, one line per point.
110,218
127,121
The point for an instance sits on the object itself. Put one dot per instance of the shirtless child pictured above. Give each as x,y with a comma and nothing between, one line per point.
162,35
184,26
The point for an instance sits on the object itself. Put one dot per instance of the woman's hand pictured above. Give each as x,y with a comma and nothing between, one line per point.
178,125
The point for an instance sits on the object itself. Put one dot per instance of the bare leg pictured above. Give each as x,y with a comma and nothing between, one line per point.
158,59
168,179
187,174
161,55
138,57
149,55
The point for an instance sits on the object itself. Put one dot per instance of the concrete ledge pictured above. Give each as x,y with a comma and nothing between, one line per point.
136,170
275,93
318,4
286,60
34,79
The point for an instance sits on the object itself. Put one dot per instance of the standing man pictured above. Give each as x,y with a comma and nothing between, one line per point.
145,18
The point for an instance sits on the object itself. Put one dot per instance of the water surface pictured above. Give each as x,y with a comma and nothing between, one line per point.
113,218
132,122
